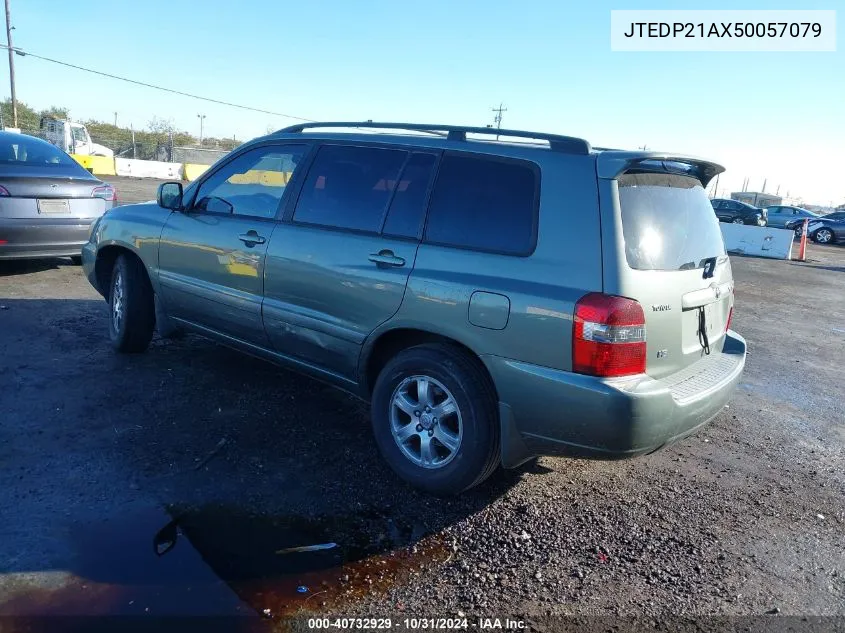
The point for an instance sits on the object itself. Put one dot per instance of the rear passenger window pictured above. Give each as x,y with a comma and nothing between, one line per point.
408,207
349,187
484,204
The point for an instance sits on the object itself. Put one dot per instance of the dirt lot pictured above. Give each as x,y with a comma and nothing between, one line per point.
131,190
175,482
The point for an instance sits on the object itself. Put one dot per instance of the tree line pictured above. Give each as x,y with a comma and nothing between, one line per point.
158,132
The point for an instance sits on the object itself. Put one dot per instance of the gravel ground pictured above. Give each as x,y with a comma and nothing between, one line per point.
235,461
132,190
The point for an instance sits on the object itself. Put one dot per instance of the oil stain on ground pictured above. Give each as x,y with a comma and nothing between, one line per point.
218,560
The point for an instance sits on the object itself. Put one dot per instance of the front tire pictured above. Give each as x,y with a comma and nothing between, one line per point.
76,260
131,306
737,221
435,419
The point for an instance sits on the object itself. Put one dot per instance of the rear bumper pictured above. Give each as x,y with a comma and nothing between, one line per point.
35,238
552,412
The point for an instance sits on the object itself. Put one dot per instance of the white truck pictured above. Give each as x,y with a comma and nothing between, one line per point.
71,137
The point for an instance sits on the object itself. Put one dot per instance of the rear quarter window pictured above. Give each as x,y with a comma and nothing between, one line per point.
667,222
485,203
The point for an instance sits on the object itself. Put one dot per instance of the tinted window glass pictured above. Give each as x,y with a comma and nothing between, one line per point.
349,187
667,222
484,204
20,149
408,207
252,184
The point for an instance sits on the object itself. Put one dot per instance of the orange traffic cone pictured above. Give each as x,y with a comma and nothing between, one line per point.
802,249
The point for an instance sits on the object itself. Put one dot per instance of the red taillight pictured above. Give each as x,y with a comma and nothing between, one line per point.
730,316
608,336
106,192
4,191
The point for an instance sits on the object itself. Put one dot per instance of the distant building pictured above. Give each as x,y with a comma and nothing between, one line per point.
756,198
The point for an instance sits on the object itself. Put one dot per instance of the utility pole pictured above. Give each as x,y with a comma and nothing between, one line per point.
498,118
201,117
9,28
115,119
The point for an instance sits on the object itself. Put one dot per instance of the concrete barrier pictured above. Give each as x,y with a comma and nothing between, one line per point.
191,171
97,165
761,241
147,169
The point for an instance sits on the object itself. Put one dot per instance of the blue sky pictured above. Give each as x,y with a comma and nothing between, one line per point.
779,116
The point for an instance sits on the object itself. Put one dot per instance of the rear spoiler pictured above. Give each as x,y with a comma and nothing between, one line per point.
613,163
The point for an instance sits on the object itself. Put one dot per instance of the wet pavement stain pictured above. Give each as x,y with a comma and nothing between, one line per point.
291,565
222,561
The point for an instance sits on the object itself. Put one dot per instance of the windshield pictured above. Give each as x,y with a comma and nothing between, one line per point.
25,150
667,222
79,134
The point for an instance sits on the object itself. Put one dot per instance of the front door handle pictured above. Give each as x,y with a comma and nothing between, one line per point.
386,258
251,238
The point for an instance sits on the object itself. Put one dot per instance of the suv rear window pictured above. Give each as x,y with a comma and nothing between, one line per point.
486,204
667,222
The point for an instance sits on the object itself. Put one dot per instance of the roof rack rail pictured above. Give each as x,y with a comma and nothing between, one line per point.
557,142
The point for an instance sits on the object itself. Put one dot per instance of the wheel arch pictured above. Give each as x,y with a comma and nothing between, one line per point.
384,345
104,264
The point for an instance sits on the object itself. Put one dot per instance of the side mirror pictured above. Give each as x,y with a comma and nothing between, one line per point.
170,195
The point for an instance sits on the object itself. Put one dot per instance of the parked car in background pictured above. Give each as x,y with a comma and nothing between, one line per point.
788,217
738,212
47,200
828,229
439,278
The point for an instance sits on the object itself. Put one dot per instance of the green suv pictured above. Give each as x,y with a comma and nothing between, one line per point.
493,299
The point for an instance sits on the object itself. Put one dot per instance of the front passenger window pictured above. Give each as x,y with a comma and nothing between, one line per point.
252,184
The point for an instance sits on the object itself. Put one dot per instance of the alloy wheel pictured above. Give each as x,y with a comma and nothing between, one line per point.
425,421
117,301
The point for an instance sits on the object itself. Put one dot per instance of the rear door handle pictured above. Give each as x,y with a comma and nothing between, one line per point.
251,238
386,258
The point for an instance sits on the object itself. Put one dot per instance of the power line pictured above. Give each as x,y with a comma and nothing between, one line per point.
162,88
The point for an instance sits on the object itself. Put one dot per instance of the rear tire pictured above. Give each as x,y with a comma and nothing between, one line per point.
737,221
460,390
824,236
76,260
131,306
